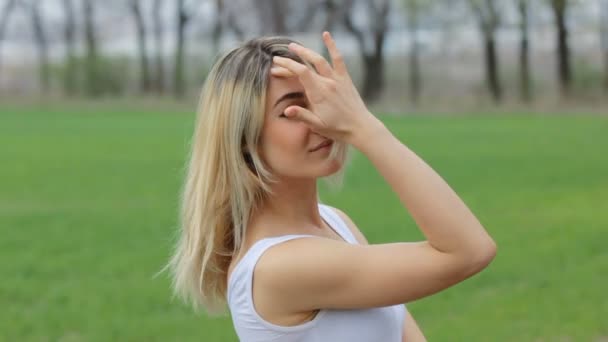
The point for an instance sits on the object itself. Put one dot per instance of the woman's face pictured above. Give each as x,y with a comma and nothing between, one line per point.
286,144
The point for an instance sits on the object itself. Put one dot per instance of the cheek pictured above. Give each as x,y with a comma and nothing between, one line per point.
284,140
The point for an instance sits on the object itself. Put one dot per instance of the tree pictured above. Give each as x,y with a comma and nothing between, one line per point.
332,14
524,51
218,26
183,18
604,38
69,37
413,8
93,86
232,22
371,45
272,15
157,24
41,44
5,15
141,33
488,20
564,70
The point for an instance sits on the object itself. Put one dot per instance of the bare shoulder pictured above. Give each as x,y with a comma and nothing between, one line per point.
351,225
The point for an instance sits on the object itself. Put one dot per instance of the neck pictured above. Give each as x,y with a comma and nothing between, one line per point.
291,209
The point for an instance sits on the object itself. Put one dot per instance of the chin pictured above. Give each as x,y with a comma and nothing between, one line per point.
331,168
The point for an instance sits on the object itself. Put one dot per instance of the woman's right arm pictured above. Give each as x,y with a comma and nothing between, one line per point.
307,274
443,218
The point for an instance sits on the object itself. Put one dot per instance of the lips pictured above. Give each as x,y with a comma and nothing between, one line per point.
321,145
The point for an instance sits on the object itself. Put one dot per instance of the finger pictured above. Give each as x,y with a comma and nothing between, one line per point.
317,60
336,57
302,71
278,71
304,115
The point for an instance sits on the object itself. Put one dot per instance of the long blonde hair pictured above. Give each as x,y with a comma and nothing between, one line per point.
226,179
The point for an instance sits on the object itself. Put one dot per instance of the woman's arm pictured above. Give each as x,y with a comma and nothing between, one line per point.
441,215
411,331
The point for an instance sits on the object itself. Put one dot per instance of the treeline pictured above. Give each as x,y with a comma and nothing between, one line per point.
88,71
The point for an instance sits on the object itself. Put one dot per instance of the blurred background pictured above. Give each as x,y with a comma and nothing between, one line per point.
506,99
404,53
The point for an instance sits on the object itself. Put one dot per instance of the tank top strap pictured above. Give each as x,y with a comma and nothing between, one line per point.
337,223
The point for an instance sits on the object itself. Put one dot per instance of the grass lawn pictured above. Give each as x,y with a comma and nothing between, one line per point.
88,201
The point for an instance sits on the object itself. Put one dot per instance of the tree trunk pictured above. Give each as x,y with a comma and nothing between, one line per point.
69,37
179,86
303,24
563,50
524,53
159,78
271,14
373,77
41,46
414,53
92,69
492,75
331,15
218,26
373,62
7,10
279,13
234,25
141,45
604,38
487,17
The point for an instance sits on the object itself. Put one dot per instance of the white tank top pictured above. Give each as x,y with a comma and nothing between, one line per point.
361,325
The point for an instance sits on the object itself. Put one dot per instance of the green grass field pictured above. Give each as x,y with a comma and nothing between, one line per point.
88,201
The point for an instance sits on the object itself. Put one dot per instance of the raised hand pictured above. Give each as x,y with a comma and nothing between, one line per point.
336,109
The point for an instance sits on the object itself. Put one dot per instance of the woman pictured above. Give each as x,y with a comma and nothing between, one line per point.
274,117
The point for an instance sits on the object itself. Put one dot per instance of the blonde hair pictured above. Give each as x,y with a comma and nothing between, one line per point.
226,179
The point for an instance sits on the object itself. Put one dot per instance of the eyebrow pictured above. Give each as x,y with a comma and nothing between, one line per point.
289,96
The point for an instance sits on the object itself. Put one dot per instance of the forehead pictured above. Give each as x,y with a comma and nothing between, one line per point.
278,86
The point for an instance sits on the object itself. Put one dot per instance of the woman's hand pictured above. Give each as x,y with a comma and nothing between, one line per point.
336,109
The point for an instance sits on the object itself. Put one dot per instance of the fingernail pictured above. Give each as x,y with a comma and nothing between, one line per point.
292,45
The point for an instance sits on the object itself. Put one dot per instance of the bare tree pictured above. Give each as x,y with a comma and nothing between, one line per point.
488,20
604,38
334,11
218,26
272,15
560,13
184,15
93,86
69,37
157,24
5,15
41,44
332,14
140,29
307,11
413,8
524,51
371,45
232,22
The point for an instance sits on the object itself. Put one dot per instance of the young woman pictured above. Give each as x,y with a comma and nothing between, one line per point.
274,117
